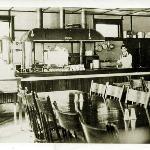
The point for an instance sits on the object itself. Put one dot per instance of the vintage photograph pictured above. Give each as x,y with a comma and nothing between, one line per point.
75,75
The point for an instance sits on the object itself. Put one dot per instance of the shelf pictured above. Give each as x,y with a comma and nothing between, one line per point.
47,41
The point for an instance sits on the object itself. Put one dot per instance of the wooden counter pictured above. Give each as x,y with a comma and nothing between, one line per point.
38,76
78,80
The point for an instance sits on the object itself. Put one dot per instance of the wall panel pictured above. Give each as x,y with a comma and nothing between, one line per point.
25,20
51,20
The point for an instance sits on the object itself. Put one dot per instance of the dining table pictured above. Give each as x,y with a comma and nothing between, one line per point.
96,113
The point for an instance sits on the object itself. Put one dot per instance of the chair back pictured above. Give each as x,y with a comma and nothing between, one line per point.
93,88
101,89
98,89
136,84
138,97
147,85
114,92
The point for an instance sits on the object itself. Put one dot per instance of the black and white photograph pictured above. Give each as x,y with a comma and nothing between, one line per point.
75,74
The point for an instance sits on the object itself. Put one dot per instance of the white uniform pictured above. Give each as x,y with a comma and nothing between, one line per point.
126,61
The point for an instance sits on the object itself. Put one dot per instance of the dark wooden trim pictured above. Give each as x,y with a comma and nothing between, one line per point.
20,30
121,27
12,28
22,11
64,18
131,23
109,21
9,14
33,50
93,21
5,18
71,47
40,17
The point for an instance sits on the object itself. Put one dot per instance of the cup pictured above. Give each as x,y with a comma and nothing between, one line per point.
133,115
133,124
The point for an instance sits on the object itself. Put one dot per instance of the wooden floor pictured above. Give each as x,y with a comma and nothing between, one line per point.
11,132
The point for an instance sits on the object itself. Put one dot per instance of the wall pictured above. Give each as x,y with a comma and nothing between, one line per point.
141,24
51,20
28,20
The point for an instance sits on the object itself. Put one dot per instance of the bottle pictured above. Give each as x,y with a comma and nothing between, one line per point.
126,119
81,100
133,118
76,100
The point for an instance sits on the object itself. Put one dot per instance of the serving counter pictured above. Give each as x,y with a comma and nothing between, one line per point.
78,80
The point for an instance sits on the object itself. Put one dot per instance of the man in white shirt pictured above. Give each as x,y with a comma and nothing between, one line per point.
125,60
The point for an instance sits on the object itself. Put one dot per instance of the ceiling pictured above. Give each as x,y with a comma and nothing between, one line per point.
99,11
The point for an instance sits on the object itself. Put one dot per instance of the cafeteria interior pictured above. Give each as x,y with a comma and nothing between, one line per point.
65,78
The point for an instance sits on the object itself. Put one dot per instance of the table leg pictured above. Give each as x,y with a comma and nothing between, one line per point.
15,113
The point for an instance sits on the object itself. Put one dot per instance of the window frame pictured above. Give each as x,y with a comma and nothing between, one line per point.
10,20
111,22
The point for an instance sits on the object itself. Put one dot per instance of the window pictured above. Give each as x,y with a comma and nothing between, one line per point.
109,27
6,32
4,28
7,26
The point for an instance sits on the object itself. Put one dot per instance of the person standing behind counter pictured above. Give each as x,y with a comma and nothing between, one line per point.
125,60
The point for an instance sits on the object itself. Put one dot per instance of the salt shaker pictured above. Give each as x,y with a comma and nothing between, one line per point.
133,118
126,119
81,100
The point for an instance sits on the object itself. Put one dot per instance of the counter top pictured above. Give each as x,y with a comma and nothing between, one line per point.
36,76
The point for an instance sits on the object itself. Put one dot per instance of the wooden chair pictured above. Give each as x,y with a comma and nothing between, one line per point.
139,84
49,118
37,121
139,97
101,89
98,89
93,88
70,122
114,93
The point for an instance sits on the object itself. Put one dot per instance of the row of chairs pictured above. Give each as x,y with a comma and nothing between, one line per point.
115,92
111,92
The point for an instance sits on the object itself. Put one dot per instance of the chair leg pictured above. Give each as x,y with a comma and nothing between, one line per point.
69,135
75,136
50,136
58,134
64,134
